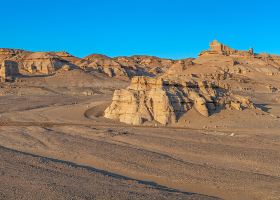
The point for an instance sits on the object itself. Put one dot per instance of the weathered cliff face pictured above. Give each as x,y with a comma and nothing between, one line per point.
102,64
8,70
126,67
38,62
42,62
144,100
121,67
163,101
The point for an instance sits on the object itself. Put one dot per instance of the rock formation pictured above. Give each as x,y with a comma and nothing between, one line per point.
66,56
38,62
207,84
8,70
125,67
103,64
217,48
164,101
6,53
42,62
144,100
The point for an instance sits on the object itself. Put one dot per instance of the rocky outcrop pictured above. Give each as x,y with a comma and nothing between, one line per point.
126,67
66,56
38,62
102,64
6,53
163,101
42,62
217,48
8,70
144,100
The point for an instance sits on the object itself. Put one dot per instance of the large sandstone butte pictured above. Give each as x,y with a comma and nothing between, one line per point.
163,101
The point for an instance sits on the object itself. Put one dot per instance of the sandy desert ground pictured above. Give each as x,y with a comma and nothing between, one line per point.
56,144
49,134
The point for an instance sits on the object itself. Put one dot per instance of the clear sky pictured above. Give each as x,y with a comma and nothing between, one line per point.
165,28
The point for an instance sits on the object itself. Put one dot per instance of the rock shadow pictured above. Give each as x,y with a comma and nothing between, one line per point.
264,107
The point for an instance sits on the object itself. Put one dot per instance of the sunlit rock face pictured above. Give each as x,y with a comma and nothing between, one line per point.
42,62
163,101
217,48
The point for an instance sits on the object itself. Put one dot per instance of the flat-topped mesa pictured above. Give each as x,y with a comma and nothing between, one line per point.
164,101
217,48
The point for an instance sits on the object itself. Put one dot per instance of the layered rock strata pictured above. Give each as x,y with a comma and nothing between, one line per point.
163,101
41,62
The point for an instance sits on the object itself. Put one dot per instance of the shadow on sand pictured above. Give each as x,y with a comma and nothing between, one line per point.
263,107
110,174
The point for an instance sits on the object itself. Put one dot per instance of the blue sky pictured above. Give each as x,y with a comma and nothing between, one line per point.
165,28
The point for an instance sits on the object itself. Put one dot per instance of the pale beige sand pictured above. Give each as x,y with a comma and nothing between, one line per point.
230,155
